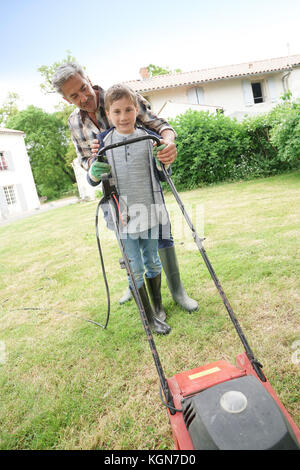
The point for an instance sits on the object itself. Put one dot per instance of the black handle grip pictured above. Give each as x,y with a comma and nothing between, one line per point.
126,142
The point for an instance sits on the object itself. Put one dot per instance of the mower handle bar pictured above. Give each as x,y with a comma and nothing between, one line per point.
126,142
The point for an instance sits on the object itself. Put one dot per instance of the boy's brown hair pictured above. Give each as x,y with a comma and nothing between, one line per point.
117,92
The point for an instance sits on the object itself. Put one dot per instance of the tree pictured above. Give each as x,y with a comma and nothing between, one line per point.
63,112
47,145
47,72
155,70
9,107
63,108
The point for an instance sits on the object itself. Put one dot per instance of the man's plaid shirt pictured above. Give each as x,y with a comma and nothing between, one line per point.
84,131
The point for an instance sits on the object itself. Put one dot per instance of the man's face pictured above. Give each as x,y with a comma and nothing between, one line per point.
78,90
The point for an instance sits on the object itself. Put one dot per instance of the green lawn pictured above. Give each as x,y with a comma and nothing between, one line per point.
66,383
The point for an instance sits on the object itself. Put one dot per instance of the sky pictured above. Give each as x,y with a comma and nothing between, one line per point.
114,39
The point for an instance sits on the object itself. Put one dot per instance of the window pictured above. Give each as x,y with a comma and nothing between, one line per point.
257,92
3,162
10,195
196,95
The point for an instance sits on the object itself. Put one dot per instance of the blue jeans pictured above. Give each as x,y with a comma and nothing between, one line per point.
142,252
165,239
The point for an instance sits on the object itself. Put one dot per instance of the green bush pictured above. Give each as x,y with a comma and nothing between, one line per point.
275,138
261,153
210,148
285,135
213,147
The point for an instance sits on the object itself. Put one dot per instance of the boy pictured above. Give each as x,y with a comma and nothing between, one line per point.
137,181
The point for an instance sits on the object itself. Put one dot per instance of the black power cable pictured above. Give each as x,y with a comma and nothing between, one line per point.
57,311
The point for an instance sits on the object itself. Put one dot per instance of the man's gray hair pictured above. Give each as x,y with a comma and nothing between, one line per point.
64,72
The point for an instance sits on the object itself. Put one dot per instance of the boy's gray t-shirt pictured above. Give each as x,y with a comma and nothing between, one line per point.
131,165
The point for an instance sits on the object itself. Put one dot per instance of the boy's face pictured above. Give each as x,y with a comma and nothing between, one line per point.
122,113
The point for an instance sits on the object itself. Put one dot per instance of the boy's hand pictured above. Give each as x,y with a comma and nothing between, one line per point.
98,169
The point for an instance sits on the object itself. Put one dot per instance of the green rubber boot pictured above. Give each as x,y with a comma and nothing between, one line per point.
127,295
170,266
153,286
157,326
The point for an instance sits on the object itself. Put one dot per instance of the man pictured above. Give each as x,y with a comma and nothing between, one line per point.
87,121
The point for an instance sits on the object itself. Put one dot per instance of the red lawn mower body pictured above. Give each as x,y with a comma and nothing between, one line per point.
267,425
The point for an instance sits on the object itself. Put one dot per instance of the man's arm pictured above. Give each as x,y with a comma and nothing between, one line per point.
84,156
159,125
169,153
81,144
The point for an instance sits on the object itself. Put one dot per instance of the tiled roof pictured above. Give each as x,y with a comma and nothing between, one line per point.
218,73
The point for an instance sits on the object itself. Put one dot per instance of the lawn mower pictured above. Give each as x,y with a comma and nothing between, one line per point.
218,406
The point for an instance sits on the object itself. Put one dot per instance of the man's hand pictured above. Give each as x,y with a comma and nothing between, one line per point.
168,154
95,147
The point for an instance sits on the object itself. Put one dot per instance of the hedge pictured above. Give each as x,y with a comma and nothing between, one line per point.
213,147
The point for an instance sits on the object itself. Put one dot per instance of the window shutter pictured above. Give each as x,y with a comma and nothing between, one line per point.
3,204
248,95
192,96
196,95
272,89
200,95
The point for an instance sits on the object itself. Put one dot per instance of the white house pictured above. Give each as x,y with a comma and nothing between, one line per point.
17,187
248,88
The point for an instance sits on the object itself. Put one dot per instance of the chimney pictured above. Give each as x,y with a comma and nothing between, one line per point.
144,73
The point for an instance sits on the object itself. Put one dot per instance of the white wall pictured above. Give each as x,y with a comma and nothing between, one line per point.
19,175
86,191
